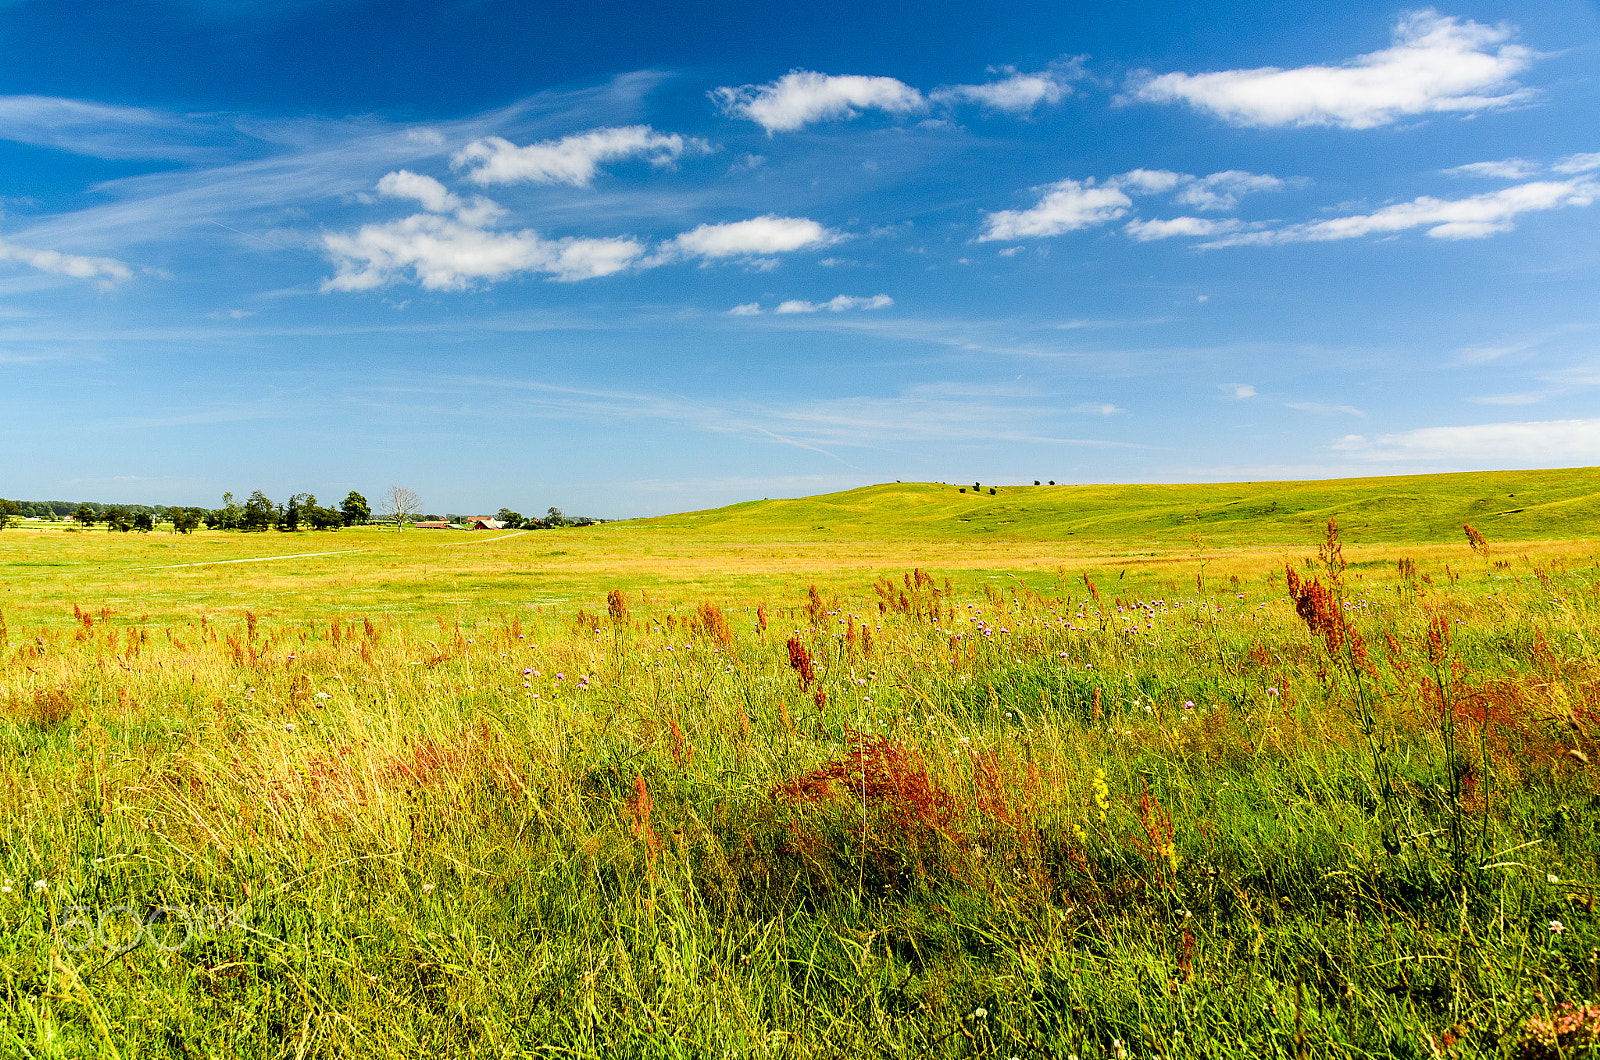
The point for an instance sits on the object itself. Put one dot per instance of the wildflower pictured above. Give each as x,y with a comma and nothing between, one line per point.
323,695
1553,878
1556,926
560,676
39,887
526,684
527,671
288,726
5,888
1188,704
1272,692
980,1012
427,888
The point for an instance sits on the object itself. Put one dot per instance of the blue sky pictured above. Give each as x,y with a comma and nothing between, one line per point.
623,258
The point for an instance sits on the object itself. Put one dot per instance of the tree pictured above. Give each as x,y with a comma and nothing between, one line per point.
355,509
187,520
84,515
553,517
8,512
144,522
509,519
296,510
259,513
117,518
402,504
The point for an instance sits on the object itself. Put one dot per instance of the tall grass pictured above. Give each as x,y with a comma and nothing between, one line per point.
912,818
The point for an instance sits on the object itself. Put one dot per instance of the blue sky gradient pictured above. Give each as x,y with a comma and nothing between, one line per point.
624,259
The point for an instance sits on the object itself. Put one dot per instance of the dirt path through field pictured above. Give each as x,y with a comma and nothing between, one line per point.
253,559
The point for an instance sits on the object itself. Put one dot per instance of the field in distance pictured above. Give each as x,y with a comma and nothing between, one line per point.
1149,538
1519,505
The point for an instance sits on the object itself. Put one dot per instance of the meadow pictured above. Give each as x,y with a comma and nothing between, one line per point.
841,777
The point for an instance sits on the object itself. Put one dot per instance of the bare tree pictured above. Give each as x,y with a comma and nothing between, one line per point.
401,503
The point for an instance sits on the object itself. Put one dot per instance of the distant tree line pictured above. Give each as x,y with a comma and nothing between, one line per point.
258,513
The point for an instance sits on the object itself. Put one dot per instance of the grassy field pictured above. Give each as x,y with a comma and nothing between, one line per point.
825,778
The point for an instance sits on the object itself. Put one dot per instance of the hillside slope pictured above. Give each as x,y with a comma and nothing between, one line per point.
1503,505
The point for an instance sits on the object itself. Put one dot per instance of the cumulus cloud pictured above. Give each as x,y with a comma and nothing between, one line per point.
436,198
1237,391
748,309
835,305
445,254
1436,64
1222,191
1069,205
767,234
804,97
1066,206
1146,231
1095,408
1470,218
1543,442
108,271
572,159
1017,93
452,246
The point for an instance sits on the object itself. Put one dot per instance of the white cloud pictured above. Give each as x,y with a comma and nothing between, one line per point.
835,305
803,97
1237,391
1017,94
451,253
1145,231
1437,64
1222,191
1069,204
1149,181
1092,408
436,198
1505,169
767,234
1319,409
572,159
1066,206
1470,218
108,271
748,309
444,254
103,130
1509,399
1543,442
1574,164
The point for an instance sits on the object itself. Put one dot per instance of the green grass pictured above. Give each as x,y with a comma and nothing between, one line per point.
1509,505
404,835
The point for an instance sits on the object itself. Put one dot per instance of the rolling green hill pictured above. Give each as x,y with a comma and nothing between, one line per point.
1503,505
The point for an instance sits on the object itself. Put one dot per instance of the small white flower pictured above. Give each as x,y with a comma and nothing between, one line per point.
980,1012
1556,926
1553,878
39,887
427,888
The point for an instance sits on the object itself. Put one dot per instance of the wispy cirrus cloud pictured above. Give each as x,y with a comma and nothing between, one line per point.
112,131
1435,65
1474,217
574,159
1543,442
